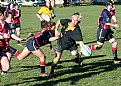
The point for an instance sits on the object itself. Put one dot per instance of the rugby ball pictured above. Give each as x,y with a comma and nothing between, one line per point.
85,50
45,17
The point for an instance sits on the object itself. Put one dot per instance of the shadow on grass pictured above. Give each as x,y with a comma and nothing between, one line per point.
75,72
92,69
72,60
90,42
27,68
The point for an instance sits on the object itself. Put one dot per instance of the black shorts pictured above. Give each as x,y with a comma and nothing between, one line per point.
60,49
2,54
31,45
13,26
103,35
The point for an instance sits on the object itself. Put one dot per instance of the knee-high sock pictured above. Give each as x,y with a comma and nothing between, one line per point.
53,67
114,51
92,47
42,67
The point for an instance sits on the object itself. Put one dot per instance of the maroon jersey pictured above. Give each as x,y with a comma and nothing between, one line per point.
17,19
3,30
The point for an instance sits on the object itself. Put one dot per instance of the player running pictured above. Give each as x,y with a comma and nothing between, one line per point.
105,33
69,35
38,40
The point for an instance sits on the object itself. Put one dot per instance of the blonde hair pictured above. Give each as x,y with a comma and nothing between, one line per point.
77,15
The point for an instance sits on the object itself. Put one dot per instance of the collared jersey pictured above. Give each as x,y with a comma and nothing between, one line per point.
46,10
71,33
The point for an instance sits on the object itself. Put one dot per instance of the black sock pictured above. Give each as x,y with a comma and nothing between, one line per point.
53,67
18,42
42,68
115,54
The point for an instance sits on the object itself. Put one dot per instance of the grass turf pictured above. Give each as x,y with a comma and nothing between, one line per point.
98,70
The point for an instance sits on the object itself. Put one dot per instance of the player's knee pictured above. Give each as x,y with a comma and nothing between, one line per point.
5,68
5,64
99,45
55,61
74,52
114,44
112,40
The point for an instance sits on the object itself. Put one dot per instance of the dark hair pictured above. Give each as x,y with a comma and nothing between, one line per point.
76,13
48,24
108,3
7,14
2,10
52,24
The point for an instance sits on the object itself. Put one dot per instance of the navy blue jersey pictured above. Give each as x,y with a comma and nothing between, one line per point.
10,30
105,17
43,38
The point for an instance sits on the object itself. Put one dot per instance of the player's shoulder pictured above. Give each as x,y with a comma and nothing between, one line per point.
105,10
65,20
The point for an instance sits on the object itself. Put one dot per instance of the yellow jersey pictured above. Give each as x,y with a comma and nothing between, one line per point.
46,10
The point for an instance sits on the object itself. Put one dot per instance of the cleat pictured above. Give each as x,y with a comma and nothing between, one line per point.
117,62
4,73
44,74
78,60
51,75
80,64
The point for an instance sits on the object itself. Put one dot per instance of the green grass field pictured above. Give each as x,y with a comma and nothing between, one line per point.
98,70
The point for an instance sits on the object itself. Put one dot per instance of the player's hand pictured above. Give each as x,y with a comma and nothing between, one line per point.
52,49
6,36
60,35
116,25
1,37
24,39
